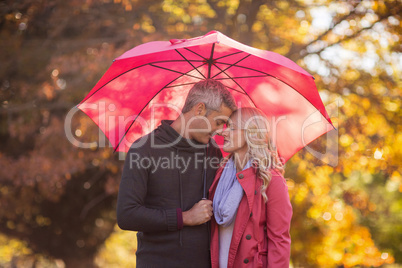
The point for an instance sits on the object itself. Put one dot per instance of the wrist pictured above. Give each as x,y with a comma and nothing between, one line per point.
186,218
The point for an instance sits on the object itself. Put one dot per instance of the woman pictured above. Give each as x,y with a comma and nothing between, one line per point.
252,211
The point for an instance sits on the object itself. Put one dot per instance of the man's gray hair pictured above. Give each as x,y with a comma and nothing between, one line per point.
212,93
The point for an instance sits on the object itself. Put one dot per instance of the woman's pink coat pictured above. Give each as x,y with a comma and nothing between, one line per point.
261,233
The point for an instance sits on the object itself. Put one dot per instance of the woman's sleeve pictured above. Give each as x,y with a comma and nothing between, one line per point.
279,215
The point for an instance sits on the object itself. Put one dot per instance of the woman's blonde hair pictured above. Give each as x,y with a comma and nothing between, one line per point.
256,129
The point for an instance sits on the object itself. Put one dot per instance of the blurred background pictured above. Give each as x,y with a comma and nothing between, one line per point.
58,200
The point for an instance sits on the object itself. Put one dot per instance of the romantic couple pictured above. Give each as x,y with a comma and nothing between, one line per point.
213,212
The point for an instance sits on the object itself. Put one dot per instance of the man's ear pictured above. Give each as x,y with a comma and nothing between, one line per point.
200,109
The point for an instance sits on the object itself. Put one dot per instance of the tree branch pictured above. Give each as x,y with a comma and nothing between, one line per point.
295,48
351,13
294,51
350,36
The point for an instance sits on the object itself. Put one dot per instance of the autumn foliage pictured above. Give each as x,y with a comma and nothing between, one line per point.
58,200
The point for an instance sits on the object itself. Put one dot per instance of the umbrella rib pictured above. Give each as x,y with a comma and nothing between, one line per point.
186,84
190,63
195,53
130,71
248,68
238,91
147,105
258,71
112,80
210,61
167,69
151,64
228,55
239,77
163,61
179,85
231,65
223,71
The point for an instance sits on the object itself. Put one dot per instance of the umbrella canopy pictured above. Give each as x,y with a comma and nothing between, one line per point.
151,81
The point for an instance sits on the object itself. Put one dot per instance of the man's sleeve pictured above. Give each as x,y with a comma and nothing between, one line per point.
131,211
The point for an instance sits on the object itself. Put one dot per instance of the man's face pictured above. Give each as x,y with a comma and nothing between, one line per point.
202,128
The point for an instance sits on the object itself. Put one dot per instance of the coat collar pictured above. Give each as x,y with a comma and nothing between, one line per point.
246,178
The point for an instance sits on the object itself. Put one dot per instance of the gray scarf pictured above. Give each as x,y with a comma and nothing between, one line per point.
228,194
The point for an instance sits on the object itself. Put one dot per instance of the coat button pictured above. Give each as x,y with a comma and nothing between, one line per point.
245,260
255,192
241,176
248,237
265,228
251,214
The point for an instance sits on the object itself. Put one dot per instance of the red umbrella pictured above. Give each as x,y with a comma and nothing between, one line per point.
127,101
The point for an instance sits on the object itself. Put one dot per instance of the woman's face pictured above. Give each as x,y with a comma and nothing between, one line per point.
234,136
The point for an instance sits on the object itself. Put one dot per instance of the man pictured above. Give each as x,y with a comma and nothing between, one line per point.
163,188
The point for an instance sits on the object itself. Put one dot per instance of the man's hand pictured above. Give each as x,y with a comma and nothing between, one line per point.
200,213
